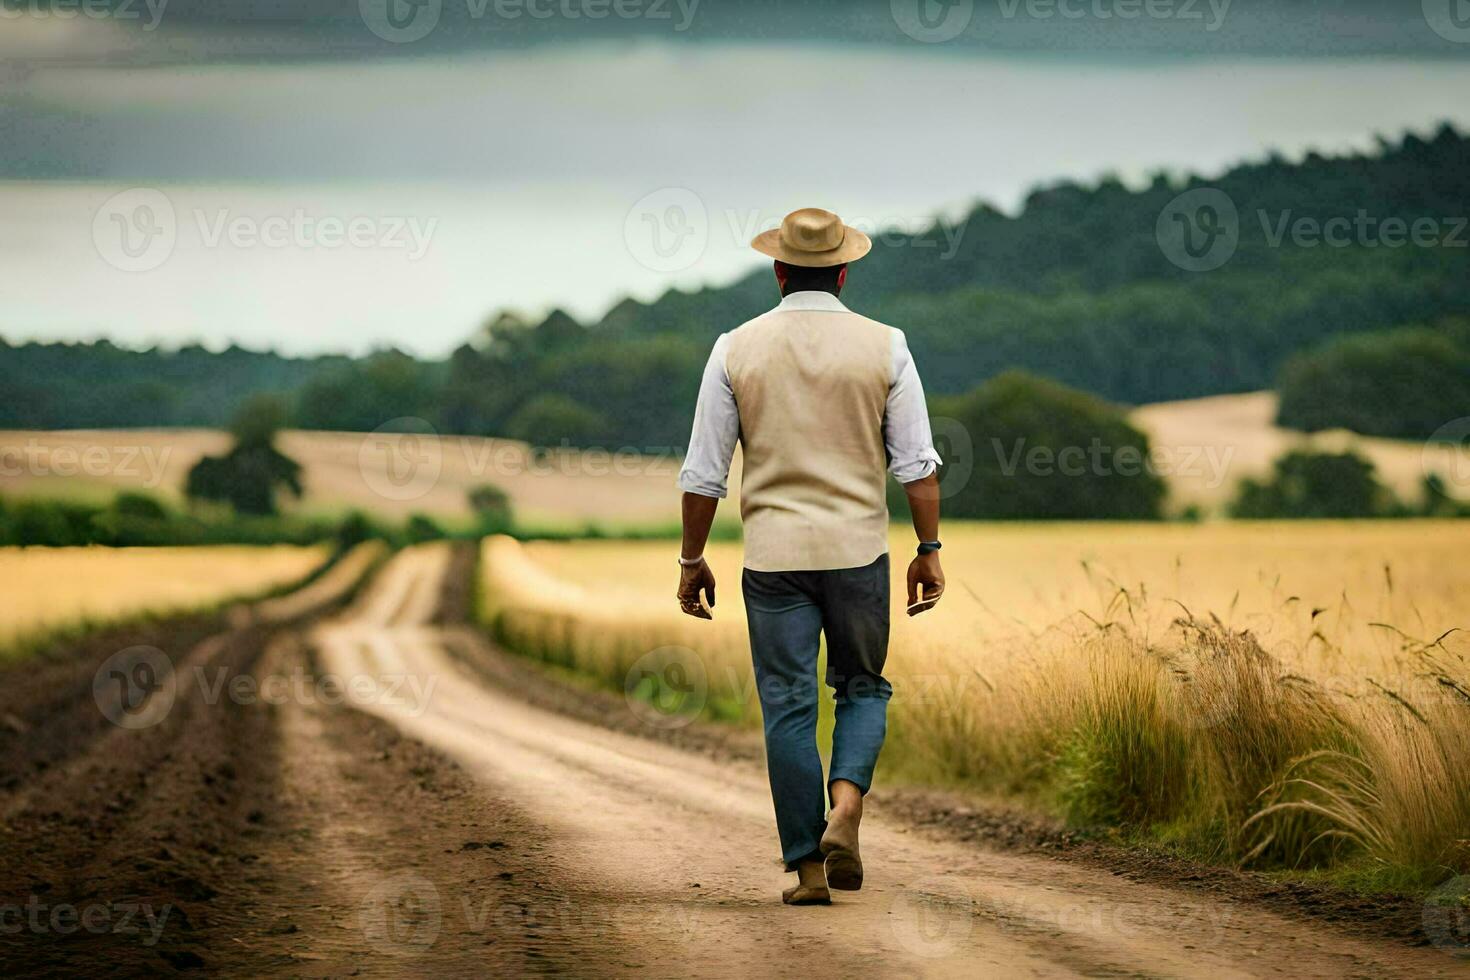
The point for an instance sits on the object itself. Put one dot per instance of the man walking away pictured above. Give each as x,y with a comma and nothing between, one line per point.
821,400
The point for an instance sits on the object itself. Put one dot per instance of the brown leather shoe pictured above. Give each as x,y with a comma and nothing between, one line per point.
843,864
806,895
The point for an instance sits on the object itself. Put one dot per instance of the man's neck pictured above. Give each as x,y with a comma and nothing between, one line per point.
830,292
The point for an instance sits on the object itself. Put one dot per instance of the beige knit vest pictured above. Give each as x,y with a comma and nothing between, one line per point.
811,387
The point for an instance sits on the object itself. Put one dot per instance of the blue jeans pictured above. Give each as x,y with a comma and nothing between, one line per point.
787,613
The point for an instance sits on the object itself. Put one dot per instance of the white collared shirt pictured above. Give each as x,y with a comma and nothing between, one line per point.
906,433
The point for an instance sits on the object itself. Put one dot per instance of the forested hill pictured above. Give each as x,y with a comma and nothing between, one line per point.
1076,286
101,385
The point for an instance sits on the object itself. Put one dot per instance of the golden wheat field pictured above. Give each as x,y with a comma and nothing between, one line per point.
1205,445
51,588
1288,693
389,474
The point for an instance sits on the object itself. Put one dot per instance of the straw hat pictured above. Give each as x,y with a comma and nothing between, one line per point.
813,237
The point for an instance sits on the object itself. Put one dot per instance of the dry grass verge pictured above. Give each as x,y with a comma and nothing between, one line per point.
1145,717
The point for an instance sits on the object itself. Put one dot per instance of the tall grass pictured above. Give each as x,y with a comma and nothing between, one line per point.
1183,730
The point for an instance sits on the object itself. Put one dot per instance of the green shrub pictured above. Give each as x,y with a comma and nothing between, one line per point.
139,505
51,523
1043,450
1316,485
422,527
492,509
554,420
355,529
1403,384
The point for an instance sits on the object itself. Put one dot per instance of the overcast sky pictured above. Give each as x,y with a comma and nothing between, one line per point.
280,175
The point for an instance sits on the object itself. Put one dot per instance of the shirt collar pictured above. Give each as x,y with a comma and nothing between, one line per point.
810,299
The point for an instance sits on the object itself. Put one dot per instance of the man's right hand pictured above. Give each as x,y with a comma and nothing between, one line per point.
925,573
694,579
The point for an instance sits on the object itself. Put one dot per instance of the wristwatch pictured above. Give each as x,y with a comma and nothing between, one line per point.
929,547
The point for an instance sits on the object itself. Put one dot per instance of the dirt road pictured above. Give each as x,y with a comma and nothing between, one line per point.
422,815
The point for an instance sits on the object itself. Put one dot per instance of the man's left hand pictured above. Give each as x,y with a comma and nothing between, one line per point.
694,579
926,583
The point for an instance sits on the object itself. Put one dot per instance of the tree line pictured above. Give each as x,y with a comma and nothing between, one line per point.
1073,287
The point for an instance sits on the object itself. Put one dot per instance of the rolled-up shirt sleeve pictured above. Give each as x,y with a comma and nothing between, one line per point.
706,469
906,433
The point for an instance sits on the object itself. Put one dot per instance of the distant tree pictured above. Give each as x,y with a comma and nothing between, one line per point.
1403,384
551,419
1307,484
141,506
1043,450
492,508
422,527
641,389
362,395
51,523
249,476
258,421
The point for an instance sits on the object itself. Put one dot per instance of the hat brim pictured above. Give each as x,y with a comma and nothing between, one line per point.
854,246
